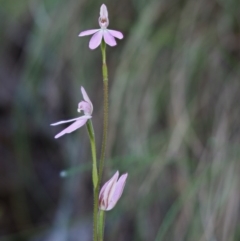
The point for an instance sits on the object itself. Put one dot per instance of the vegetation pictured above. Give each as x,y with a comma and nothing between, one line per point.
174,83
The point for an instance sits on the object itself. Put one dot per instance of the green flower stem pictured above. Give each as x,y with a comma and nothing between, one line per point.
94,177
105,111
94,155
101,221
95,214
101,214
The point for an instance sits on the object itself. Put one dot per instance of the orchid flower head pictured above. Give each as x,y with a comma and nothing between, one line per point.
112,191
87,108
107,34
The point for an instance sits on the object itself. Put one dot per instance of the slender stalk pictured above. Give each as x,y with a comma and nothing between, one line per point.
101,214
94,177
94,155
95,215
101,221
105,111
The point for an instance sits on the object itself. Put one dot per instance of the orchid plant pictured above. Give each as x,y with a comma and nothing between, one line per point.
110,193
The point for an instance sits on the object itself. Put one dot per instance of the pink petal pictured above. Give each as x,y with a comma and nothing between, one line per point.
66,121
86,98
103,189
116,34
96,40
88,32
77,124
106,191
111,183
115,176
109,39
118,191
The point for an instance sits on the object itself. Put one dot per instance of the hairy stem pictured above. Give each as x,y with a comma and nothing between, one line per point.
94,177
101,221
105,111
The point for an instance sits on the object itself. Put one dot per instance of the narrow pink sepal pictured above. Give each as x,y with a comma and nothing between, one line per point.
88,32
109,39
96,40
64,121
103,11
86,98
77,124
118,191
110,186
105,191
115,33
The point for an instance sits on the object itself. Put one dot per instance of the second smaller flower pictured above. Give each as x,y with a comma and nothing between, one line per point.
112,191
87,108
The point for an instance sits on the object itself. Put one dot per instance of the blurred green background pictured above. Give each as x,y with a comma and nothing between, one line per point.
174,119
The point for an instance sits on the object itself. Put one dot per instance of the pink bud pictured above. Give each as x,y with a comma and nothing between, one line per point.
112,191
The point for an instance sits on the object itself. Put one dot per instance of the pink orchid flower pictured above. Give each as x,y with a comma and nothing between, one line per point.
112,191
87,108
103,32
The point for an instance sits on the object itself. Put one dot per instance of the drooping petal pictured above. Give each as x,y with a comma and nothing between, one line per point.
118,191
77,124
108,38
65,121
88,32
96,40
86,98
116,34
